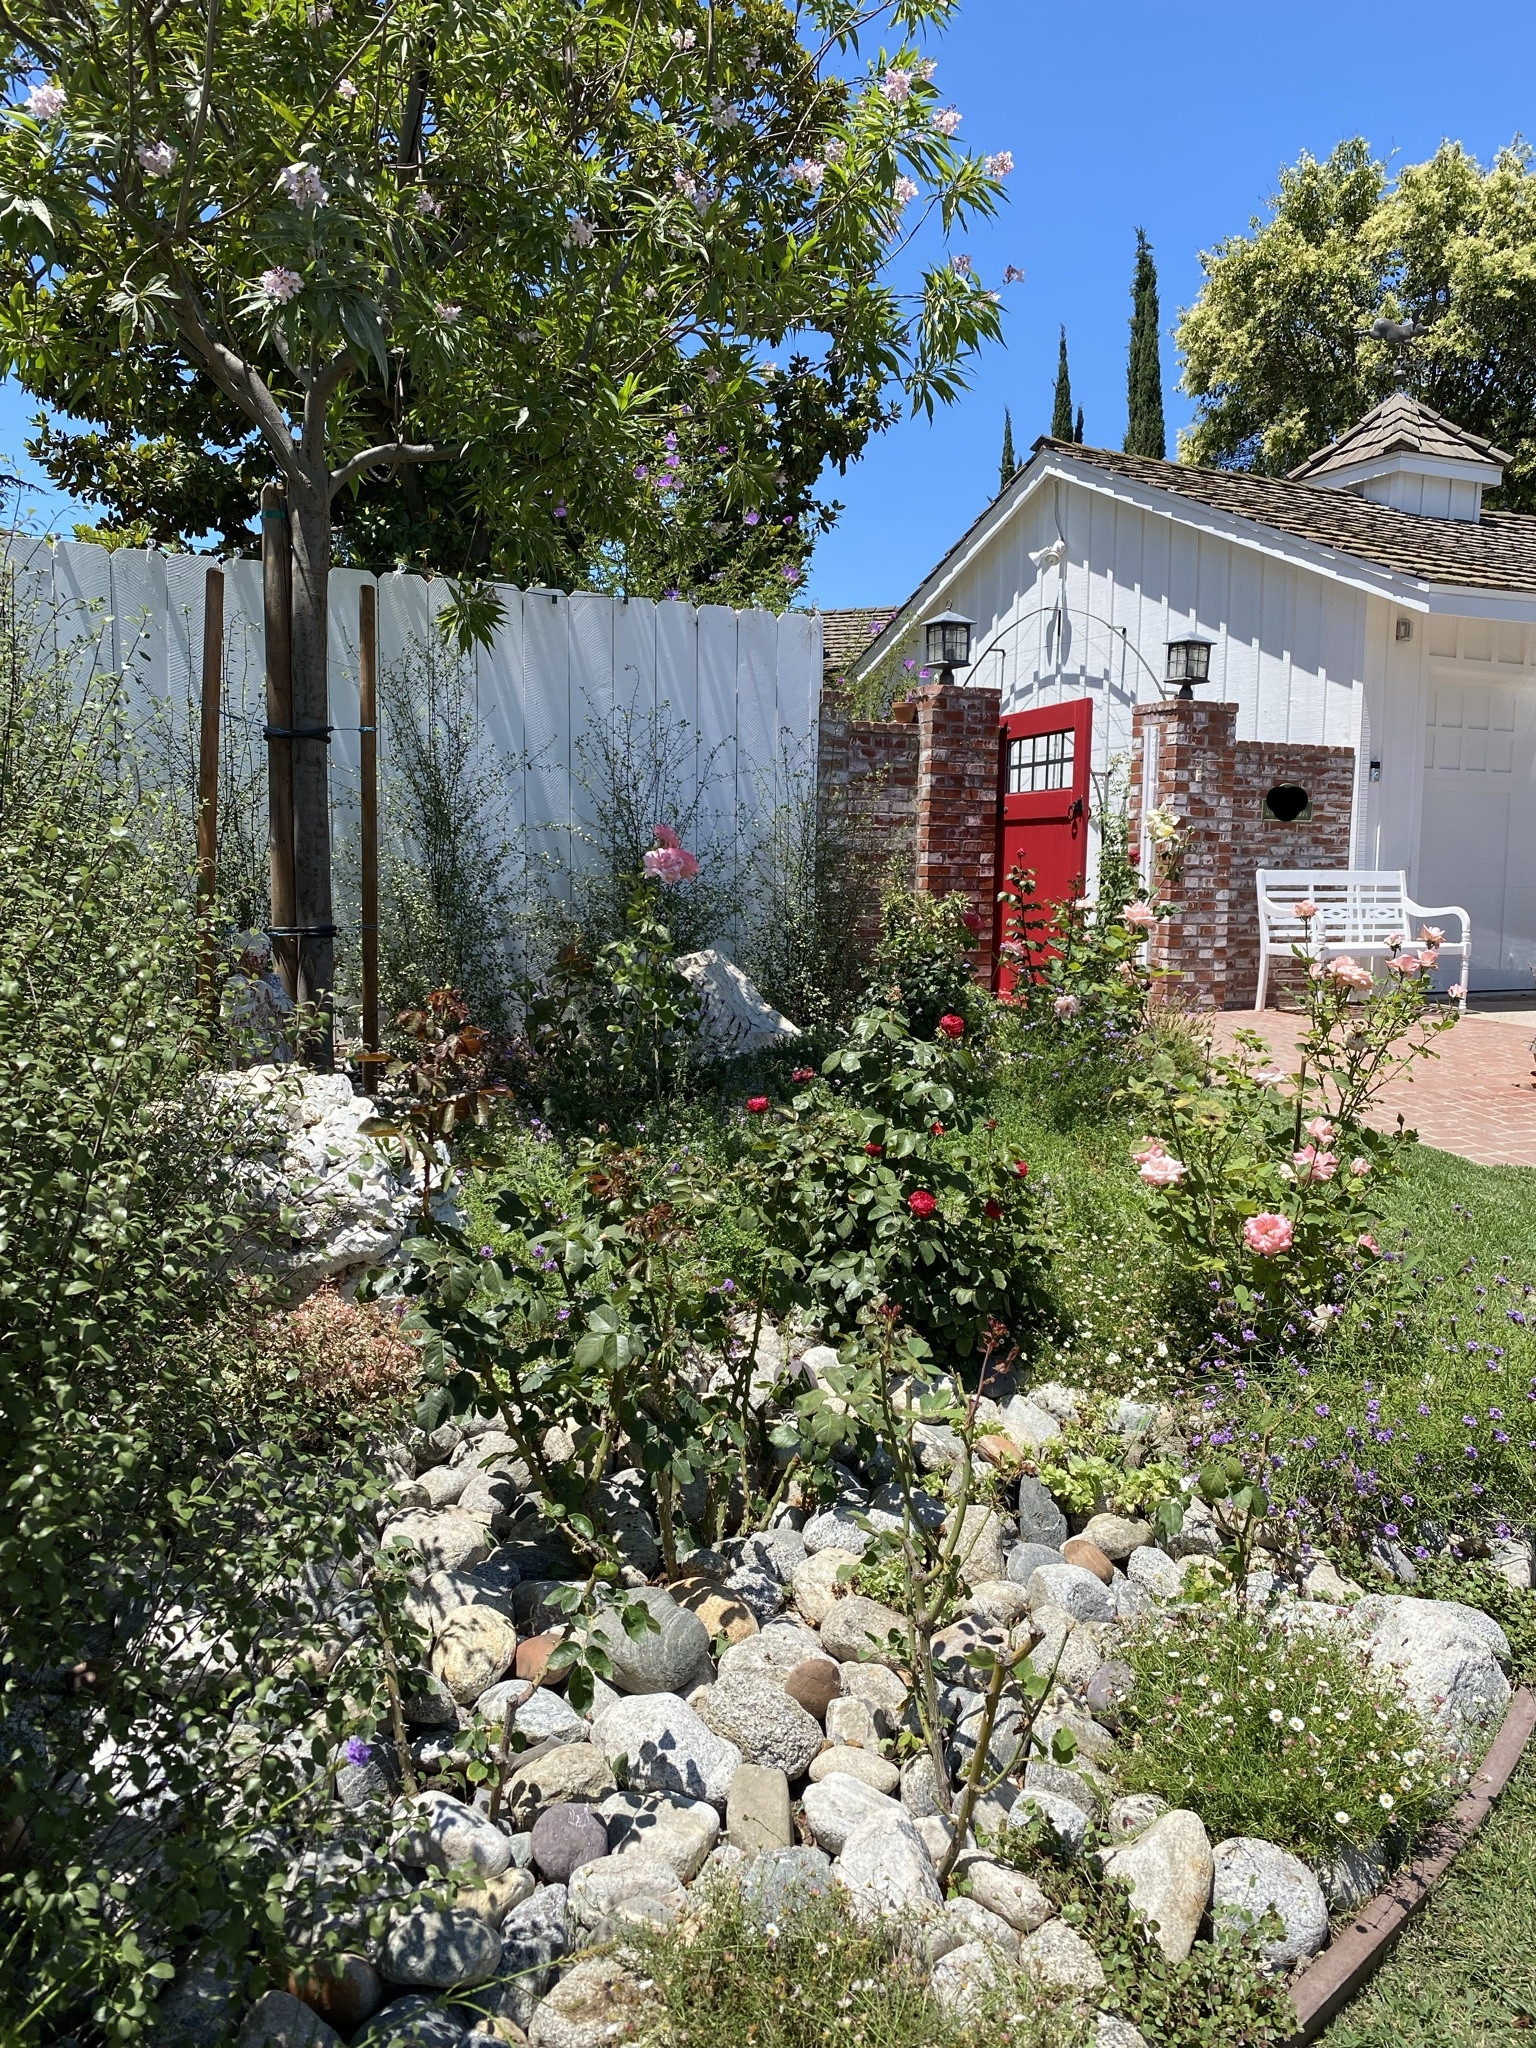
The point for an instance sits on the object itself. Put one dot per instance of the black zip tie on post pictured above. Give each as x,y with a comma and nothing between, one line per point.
298,732
300,931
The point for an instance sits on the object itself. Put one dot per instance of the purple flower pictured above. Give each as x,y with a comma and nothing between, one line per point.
728,1287
358,1751
485,1251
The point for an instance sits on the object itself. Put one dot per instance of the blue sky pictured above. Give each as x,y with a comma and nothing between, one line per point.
1171,117
1174,117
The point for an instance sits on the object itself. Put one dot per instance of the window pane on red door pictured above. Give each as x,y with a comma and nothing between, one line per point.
1043,760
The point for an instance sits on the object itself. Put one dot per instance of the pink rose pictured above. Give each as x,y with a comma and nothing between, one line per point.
1345,970
670,864
1367,1243
1432,934
1162,1170
1268,1234
1067,1006
1147,1149
1321,1131
1140,916
1305,910
664,835
1311,1164
1360,1166
1457,990
1428,957
1403,964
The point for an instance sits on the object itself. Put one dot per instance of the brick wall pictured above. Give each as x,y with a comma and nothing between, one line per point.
1216,784
957,801
918,799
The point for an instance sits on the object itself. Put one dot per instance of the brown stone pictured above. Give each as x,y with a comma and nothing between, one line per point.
814,1684
721,1612
345,1992
1000,1449
1079,1551
533,1654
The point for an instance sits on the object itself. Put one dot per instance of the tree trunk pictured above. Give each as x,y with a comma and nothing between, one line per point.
310,516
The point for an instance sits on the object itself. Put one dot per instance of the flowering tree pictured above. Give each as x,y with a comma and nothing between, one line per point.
526,240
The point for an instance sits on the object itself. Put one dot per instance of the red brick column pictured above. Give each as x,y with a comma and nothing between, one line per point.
1193,751
957,801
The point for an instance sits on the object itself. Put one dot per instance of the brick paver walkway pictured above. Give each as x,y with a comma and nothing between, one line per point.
1478,1098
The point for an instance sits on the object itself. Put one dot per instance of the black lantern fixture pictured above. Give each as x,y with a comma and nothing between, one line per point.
1189,662
948,643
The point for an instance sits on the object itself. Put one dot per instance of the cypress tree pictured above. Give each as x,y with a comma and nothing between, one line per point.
1009,461
1144,431
1061,412
1078,431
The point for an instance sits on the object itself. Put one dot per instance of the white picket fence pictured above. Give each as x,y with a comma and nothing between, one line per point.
747,684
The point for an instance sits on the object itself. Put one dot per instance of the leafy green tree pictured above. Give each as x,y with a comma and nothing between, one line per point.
1277,346
518,242
1061,410
1144,432
1009,462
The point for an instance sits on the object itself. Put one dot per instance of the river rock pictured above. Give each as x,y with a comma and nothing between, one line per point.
598,1889
1108,1690
1088,1558
734,1018
678,1832
980,1552
1169,1870
593,2005
885,1868
996,1603
414,2022
961,1978
1058,1959
1132,1814
977,1924
665,1747
497,1896
670,1659
773,1652
565,1838
882,1690
1075,1591
819,1581
836,1529
1251,1877
1155,1572
1117,1535
780,1880
722,1612
814,1684
445,1834
439,1951
757,1812
279,2020
572,1770
867,1765
1040,1520
1028,1425
537,1713
1025,1558
858,1629
1445,1655
534,1936
1008,1893
447,1540
766,1725
835,1806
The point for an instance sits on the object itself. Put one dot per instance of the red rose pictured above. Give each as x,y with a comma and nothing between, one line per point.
992,1209
936,1130
874,1151
972,921
952,1026
1021,1168
803,1074
921,1203
756,1104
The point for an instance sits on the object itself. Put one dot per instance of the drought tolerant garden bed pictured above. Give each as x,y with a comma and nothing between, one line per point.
978,1525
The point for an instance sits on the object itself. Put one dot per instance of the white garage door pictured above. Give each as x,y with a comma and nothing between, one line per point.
1477,840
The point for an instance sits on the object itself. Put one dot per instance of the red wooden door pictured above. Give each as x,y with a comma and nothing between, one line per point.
1043,804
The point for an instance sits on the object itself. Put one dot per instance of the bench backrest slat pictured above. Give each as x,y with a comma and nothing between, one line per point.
1359,906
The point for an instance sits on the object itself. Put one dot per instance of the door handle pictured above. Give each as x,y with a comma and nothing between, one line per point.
1076,809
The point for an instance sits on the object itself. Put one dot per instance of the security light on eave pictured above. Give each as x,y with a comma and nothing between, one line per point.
948,641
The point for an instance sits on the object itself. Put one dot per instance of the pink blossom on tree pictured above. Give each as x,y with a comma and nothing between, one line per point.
948,121
302,184
280,285
46,102
897,86
157,159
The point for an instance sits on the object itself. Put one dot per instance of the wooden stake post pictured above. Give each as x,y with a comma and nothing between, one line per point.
208,782
368,701
277,617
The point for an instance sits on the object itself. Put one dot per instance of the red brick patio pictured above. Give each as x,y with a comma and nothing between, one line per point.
1477,1098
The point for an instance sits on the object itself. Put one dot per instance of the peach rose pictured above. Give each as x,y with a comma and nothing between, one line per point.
1268,1234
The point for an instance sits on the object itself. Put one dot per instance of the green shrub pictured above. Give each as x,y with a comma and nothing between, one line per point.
1220,1996
924,963
1278,1731
820,1980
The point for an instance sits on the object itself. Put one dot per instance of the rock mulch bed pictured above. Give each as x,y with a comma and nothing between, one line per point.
750,1741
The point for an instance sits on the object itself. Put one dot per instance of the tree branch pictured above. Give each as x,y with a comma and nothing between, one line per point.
393,453
236,379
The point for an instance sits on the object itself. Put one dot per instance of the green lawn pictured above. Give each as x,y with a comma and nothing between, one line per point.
1464,1975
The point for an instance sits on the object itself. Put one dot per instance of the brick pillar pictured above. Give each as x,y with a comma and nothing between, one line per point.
958,743
1190,748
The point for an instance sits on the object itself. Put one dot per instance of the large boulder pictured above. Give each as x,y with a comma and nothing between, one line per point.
1446,1656
733,1017
439,1951
1253,1877
661,1745
1169,1870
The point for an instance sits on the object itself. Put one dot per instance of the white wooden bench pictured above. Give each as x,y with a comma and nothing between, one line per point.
1361,911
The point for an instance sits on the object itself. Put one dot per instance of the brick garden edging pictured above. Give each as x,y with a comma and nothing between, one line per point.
1322,1991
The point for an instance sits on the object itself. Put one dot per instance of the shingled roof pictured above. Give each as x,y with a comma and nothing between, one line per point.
1400,425
845,635
1496,552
